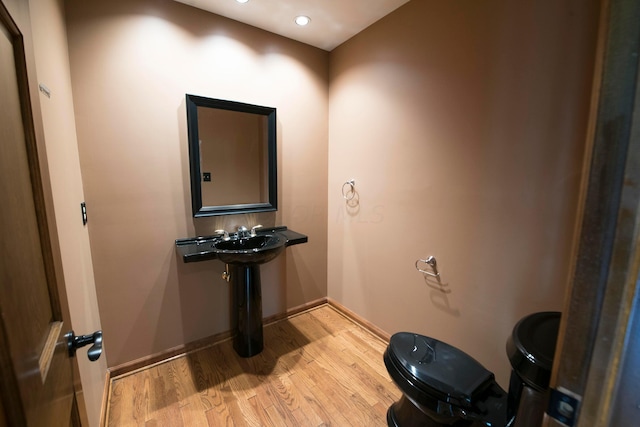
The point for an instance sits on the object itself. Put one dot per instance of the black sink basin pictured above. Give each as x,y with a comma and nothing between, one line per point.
251,250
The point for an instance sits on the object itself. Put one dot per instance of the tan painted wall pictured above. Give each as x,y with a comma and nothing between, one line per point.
132,62
463,124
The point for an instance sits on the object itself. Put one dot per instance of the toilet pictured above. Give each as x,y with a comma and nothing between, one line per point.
444,386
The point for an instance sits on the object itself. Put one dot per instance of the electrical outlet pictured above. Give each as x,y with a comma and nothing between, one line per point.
563,406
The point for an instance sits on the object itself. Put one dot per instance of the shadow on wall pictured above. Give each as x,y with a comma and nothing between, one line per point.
439,295
205,299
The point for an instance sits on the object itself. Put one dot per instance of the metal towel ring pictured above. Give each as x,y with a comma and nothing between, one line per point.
350,193
431,261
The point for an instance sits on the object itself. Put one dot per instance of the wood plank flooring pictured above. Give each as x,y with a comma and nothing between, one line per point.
318,368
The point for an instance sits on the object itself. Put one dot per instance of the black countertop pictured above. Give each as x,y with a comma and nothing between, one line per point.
192,249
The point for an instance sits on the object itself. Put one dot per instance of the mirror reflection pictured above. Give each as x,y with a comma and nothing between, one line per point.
232,154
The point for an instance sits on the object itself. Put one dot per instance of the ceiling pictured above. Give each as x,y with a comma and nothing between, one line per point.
332,21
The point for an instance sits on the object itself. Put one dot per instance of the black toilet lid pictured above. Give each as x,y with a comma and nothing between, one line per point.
440,367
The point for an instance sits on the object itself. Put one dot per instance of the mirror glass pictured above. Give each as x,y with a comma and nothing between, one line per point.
232,156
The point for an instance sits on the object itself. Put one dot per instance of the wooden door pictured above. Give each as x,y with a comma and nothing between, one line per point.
36,373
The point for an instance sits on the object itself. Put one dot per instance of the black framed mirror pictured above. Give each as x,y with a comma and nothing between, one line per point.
232,157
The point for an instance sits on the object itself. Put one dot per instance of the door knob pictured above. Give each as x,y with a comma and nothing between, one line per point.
75,342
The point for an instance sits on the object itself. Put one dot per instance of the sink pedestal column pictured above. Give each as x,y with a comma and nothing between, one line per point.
247,309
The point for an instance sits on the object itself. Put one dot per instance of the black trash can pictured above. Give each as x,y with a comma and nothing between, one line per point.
530,349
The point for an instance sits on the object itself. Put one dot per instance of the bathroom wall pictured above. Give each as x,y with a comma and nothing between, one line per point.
463,125
132,62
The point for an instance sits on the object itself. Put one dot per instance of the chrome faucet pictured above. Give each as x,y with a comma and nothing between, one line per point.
223,234
254,228
243,232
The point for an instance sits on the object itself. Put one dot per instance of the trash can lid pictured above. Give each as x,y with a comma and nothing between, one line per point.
531,347
440,369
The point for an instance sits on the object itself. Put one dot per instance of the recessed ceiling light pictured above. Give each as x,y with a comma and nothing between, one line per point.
242,1
302,20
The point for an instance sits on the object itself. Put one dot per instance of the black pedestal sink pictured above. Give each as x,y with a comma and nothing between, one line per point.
243,257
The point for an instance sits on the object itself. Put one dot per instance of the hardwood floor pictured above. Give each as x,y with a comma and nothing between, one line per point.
318,368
